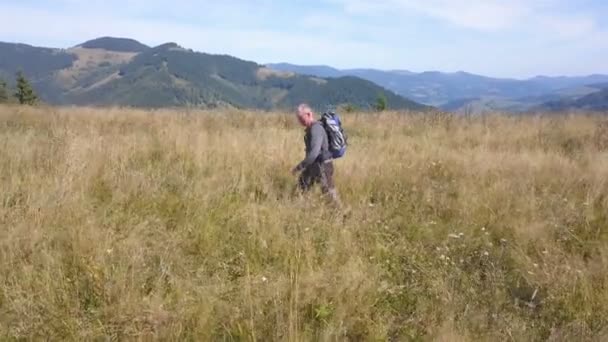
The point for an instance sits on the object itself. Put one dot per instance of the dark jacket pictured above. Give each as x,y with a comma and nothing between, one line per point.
317,146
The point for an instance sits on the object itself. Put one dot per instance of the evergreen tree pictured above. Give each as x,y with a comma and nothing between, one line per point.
4,97
381,103
25,93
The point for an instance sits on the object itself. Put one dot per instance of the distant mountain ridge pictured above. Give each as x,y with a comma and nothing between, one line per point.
35,60
597,101
461,91
120,71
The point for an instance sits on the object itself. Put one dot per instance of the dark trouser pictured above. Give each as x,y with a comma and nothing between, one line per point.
322,173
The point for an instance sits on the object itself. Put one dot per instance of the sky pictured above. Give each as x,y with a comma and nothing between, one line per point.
501,38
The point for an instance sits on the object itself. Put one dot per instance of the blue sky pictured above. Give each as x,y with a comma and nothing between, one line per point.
511,38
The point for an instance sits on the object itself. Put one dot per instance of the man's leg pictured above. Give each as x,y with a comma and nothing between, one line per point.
308,178
327,183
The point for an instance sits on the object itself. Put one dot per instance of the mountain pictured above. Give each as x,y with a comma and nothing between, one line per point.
562,82
313,70
36,61
463,91
600,85
597,101
118,71
521,104
115,44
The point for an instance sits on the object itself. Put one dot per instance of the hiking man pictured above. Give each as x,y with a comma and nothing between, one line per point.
317,166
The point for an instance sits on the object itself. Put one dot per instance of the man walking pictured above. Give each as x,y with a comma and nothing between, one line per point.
317,166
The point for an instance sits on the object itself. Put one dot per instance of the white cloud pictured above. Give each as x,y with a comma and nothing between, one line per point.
568,27
475,14
546,16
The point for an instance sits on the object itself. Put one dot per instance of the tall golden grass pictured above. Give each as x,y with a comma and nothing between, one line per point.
181,225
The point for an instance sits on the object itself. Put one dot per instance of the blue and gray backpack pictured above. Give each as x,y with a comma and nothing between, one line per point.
337,139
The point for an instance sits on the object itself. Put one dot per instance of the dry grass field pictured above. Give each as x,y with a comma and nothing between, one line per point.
181,225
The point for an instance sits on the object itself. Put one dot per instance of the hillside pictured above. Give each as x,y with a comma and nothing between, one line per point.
116,71
122,225
561,100
115,44
597,101
35,61
448,90
313,70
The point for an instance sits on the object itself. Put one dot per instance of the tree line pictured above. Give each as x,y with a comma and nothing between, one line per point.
23,94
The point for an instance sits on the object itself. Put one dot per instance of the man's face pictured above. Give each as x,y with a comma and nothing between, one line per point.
304,117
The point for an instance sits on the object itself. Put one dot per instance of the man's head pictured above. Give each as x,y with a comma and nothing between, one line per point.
306,117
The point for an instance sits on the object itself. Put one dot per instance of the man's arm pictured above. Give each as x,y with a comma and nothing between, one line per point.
316,141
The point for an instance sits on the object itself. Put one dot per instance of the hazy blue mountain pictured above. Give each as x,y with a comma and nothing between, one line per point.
597,101
562,82
462,91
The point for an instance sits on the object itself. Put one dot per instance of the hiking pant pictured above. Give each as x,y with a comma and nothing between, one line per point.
323,174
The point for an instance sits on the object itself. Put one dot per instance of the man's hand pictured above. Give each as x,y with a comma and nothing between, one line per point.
295,171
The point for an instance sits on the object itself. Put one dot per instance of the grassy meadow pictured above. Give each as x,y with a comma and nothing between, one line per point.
123,224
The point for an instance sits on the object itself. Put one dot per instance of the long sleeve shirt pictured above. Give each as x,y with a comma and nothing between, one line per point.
317,146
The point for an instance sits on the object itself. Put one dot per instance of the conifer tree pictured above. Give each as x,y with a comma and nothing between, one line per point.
25,94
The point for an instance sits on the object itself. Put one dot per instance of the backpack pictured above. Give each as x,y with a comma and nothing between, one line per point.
337,139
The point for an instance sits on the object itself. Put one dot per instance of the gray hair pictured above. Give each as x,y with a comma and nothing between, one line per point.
304,107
